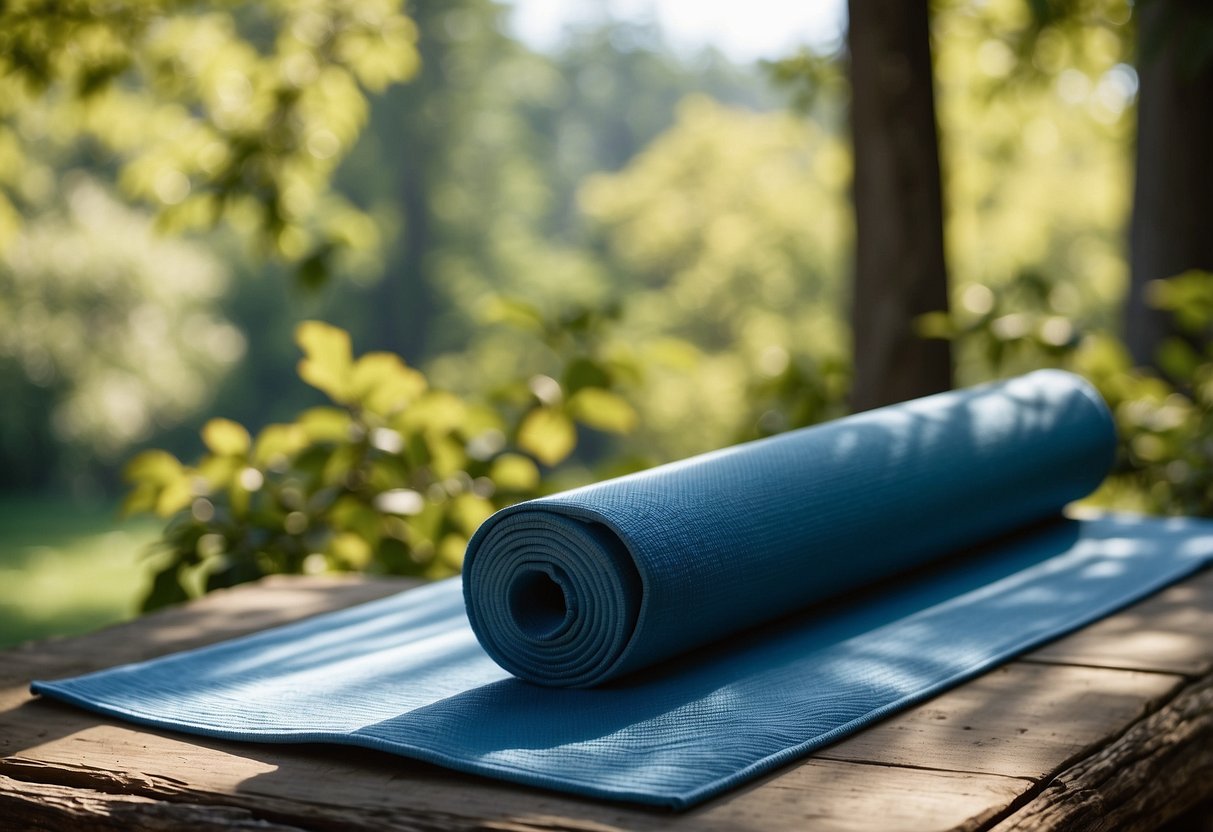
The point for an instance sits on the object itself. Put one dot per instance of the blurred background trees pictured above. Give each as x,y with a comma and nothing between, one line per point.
556,261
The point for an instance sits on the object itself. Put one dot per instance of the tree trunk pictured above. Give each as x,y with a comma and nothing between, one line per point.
899,265
1172,225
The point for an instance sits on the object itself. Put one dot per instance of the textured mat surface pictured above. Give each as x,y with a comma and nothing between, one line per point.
860,567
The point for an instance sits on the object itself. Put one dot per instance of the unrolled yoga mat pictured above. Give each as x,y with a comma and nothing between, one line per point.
687,628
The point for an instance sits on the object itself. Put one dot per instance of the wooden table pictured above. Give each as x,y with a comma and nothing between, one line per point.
1110,728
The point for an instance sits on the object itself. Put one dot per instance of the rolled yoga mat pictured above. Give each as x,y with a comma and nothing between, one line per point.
693,626
595,583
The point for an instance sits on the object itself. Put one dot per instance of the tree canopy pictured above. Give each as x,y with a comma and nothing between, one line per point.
233,113
558,265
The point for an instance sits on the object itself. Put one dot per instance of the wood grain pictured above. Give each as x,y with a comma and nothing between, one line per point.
964,760
1020,720
374,794
1168,632
29,805
1157,769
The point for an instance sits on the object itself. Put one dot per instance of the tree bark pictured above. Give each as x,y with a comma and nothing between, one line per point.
1172,226
899,265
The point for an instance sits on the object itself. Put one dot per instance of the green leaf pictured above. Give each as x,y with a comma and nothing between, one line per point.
141,499
675,353
514,472
276,442
514,313
1189,296
447,455
328,359
1177,358
469,511
603,410
340,465
351,549
239,498
582,372
548,434
436,412
384,384
451,550
325,424
174,497
351,515
220,471
226,438
154,467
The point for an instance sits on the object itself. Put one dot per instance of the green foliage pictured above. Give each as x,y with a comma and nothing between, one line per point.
1034,41
108,332
1165,459
1036,175
714,283
392,476
676,271
473,169
808,77
733,295
232,113
1165,423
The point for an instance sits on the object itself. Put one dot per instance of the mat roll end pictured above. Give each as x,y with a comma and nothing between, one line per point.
553,599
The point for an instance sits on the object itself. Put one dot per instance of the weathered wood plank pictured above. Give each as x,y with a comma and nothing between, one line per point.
1157,769
74,749
25,806
1020,720
1171,632
923,769
49,743
380,793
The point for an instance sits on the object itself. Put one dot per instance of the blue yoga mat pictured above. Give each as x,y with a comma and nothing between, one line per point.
666,636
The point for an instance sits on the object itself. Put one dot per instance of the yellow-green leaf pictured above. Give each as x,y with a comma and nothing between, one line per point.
239,498
275,442
469,511
603,410
154,467
514,472
436,412
351,549
219,471
384,384
328,358
174,497
674,353
226,438
515,313
141,499
340,465
325,424
447,455
451,549
548,434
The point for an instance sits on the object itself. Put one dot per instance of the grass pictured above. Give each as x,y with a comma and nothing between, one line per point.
67,568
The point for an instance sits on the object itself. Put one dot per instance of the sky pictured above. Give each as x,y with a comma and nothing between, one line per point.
745,31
